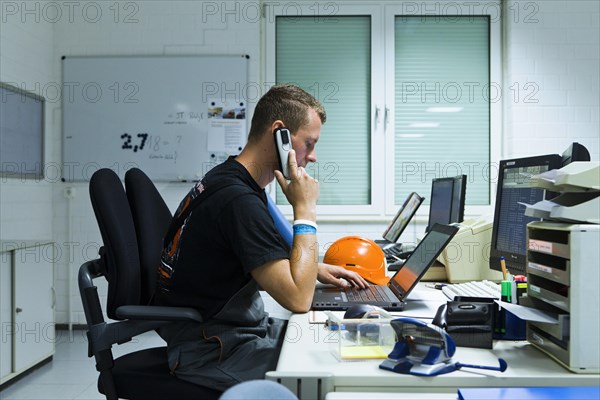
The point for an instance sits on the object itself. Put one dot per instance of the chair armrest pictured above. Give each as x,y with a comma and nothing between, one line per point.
159,313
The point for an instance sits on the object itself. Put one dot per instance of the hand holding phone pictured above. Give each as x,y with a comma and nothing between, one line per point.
283,143
302,190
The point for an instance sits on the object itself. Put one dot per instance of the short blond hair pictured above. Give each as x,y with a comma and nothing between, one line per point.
288,103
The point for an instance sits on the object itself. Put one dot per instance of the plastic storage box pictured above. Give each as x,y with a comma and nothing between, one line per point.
360,339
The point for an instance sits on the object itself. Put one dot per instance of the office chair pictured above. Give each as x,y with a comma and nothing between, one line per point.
151,218
141,374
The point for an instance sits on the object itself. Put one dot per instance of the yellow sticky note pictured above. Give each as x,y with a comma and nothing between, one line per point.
364,352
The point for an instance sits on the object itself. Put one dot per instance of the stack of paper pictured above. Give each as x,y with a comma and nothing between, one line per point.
579,201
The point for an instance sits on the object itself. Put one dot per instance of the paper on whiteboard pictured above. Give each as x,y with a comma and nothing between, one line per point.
226,126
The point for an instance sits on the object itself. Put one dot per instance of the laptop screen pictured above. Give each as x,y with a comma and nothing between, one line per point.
423,256
401,220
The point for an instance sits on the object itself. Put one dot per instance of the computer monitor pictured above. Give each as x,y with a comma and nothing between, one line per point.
403,217
447,204
510,223
459,191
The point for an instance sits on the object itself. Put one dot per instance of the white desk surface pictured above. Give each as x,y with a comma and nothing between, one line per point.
306,351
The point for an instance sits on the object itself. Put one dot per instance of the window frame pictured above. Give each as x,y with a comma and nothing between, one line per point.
383,15
495,123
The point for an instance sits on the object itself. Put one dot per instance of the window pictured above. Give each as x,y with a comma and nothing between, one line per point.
311,53
441,104
407,96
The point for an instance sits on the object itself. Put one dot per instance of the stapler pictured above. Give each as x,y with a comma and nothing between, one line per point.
426,350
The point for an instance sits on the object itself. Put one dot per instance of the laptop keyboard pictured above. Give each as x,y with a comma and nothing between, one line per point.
392,253
371,293
394,250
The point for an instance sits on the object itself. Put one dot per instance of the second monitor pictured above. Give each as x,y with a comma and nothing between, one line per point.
447,203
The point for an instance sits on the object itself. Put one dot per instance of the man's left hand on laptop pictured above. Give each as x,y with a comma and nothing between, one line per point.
340,276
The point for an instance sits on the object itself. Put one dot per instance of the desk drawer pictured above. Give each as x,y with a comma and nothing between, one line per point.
548,291
556,269
555,242
556,348
559,331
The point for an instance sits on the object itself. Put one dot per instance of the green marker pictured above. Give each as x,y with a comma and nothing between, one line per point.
506,291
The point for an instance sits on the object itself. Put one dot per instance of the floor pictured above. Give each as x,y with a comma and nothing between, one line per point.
71,374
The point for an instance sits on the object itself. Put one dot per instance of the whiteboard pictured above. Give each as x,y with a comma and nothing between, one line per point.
174,117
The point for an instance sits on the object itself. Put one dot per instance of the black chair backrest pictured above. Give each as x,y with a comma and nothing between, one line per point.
151,218
121,257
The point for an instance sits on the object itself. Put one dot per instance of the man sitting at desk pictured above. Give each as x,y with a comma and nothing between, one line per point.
223,245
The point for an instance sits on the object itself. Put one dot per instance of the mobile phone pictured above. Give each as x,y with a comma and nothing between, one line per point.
283,142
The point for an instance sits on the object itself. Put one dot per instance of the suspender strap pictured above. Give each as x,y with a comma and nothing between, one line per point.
180,218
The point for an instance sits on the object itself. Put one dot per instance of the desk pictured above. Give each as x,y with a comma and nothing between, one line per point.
308,368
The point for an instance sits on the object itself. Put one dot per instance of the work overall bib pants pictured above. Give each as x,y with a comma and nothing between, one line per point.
241,342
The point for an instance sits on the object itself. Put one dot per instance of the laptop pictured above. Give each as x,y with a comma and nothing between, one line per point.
392,296
392,233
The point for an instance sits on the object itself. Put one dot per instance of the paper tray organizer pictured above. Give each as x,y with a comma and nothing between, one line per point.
360,339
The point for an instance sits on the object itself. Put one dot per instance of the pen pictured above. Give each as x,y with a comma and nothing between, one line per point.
438,286
503,266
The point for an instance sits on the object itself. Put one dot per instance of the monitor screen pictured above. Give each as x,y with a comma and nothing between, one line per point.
447,204
405,214
421,259
459,191
510,222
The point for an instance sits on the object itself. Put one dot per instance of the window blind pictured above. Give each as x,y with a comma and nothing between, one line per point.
442,95
331,59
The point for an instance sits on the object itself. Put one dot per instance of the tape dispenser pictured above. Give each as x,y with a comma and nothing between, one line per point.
426,350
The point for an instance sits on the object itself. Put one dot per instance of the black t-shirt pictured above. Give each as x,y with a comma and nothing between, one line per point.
227,235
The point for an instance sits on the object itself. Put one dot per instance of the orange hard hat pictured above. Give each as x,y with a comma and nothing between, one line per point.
360,255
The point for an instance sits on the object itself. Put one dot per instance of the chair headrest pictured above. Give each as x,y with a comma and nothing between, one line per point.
118,235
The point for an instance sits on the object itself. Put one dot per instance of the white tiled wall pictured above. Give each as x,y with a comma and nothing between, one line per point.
551,81
26,61
144,28
550,96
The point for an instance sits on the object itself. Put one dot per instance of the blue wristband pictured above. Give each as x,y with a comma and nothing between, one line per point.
303,229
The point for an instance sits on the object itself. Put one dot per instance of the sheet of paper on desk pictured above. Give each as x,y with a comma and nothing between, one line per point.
320,317
419,309
364,352
528,313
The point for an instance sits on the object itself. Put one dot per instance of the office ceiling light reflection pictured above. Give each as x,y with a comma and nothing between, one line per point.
444,109
424,125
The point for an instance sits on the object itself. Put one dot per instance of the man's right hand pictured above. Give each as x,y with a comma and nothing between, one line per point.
302,191
293,287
